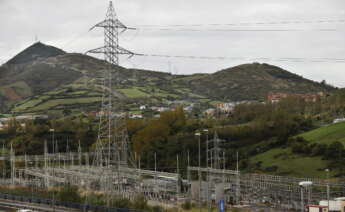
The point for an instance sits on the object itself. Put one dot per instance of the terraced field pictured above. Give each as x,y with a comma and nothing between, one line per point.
64,98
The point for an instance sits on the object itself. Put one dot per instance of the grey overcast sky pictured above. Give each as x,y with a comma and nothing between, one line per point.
65,24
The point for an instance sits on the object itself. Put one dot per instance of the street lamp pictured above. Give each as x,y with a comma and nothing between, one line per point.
206,131
304,184
53,134
199,171
327,172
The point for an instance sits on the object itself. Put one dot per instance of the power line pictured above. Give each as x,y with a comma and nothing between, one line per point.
283,59
235,30
324,21
74,39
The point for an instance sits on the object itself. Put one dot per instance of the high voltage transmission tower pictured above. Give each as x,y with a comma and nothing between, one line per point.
112,141
216,152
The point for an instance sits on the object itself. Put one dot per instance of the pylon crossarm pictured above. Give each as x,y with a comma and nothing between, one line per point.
111,24
100,50
103,50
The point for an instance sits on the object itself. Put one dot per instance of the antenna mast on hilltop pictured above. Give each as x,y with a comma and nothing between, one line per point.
112,141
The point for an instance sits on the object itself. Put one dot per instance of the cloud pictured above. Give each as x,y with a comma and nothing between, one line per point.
65,23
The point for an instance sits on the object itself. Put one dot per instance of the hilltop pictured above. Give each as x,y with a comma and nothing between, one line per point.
43,77
253,82
36,51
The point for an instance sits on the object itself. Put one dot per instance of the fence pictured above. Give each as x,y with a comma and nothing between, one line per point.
71,205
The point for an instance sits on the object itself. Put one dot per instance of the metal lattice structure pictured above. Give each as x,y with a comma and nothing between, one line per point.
112,142
53,169
106,169
111,174
216,153
281,192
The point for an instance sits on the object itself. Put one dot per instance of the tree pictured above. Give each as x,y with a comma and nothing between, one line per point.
335,150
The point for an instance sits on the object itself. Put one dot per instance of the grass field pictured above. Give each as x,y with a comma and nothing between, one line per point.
62,96
291,164
55,102
298,165
134,92
140,92
326,134
216,102
27,104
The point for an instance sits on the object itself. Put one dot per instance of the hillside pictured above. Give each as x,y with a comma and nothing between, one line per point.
42,78
326,134
285,162
253,82
34,52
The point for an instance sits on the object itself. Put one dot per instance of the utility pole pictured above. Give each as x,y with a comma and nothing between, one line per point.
199,169
13,163
4,162
178,177
327,172
53,139
79,154
156,169
139,166
238,183
188,164
223,178
208,193
302,200
46,164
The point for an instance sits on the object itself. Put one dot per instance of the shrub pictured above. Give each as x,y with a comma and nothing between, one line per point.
140,203
69,193
187,205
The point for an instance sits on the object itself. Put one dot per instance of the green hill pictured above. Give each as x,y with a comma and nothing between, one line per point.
285,162
36,51
35,81
326,134
253,82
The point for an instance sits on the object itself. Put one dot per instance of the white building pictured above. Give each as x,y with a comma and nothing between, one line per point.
337,204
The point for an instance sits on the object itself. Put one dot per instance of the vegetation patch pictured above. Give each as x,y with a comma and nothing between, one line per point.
326,134
134,92
55,102
295,165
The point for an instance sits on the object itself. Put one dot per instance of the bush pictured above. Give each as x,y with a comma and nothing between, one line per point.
140,203
121,202
187,205
157,209
69,193
271,169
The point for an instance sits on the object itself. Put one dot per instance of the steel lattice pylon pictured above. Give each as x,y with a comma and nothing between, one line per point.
112,141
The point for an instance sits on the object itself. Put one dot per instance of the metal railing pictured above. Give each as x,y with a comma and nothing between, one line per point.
71,205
